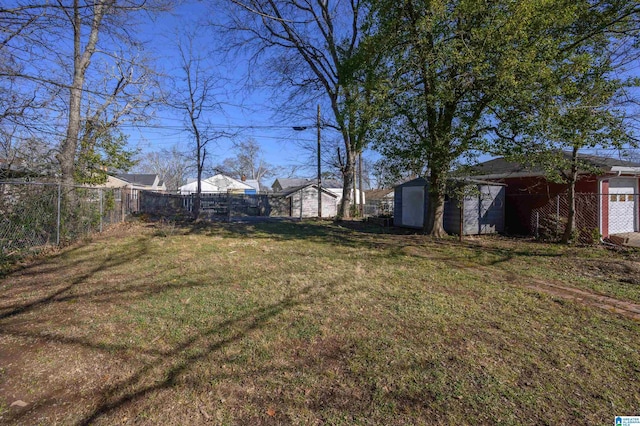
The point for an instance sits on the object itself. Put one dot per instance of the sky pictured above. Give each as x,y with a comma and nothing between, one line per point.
248,114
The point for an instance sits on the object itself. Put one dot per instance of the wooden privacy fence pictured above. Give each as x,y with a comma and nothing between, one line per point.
215,205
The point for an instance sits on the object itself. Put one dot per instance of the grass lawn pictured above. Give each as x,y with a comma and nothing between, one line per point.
313,323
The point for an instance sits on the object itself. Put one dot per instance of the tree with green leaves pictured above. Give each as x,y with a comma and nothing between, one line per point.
458,70
585,112
101,150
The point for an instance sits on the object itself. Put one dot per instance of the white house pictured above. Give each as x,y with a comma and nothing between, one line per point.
218,184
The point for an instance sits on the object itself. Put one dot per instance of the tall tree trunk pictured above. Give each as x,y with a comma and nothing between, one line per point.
196,201
200,156
348,185
81,60
434,213
571,194
361,193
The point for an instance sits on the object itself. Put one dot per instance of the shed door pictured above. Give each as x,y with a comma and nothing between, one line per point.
622,205
413,206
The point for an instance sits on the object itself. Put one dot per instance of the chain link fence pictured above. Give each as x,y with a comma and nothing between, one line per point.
545,217
35,215
548,222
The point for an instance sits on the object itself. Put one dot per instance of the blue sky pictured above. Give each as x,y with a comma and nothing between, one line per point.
250,114
247,113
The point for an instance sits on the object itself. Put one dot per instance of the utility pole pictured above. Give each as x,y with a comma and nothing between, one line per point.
319,170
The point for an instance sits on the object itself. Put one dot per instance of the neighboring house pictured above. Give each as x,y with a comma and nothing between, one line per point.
331,185
303,201
379,202
143,181
607,196
255,184
132,184
482,209
335,186
218,184
284,183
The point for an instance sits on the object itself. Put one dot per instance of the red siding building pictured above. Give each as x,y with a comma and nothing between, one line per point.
607,200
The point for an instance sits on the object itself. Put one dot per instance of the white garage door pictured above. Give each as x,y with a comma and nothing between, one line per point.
623,205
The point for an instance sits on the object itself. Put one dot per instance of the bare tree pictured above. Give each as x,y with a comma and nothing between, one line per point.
70,47
310,47
171,165
27,157
248,162
194,97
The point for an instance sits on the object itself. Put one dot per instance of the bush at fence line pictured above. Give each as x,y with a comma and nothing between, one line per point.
550,228
29,216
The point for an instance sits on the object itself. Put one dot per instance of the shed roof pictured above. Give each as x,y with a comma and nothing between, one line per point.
291,182
452,180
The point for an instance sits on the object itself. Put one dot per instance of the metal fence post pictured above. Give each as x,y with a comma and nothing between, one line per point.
101,208
59,214
557,214
122,204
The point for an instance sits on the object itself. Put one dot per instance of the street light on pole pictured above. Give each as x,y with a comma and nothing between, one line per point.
299,128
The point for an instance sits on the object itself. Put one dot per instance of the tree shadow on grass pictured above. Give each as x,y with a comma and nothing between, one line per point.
395,241
19,320
61,291
168,369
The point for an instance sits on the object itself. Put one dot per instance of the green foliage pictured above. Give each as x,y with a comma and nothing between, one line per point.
463,74
582,113
101,149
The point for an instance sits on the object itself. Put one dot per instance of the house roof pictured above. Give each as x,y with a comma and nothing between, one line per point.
142,179
291,182
378,194
501,168
289,191
16,168
216,183
296,182
420,181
